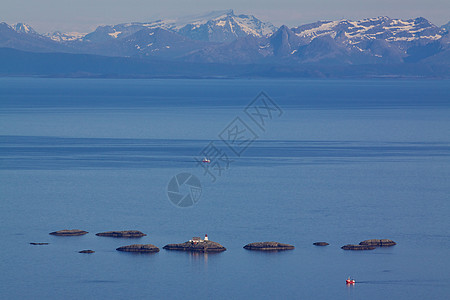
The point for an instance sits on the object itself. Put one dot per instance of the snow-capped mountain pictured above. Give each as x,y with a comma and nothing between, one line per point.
379,39
224,37
23,28
226,26
376,40
390,30
220,26
22,37
119,31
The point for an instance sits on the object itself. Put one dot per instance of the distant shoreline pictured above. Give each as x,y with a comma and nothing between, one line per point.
17,63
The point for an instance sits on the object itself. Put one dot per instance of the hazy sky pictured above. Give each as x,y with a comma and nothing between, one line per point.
86,15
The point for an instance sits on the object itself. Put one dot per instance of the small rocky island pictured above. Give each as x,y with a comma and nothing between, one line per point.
370,244
69,232
268,246
141,248
197,244
122,234
320,244
357,247
379,243
87,251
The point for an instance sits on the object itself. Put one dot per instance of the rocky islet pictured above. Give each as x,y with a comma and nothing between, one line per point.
379,243
268,246
86,251
122,234
141,248
320,244
69,232
370,244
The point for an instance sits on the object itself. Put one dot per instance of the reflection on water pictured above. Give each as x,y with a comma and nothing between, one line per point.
198,256
138,253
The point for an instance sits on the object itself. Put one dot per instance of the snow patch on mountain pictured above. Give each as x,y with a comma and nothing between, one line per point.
115,34
317,29
221,23
59,36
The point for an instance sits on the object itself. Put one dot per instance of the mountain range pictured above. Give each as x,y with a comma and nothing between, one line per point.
224,38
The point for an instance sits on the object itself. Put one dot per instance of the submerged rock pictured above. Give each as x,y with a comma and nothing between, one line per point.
357,247
204,246
122,234
39,244
320,244
86,251
379,243
69,232
143,248
268,246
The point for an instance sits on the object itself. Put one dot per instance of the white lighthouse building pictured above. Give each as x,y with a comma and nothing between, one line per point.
197,239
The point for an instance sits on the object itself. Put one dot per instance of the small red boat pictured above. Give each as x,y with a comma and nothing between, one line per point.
350,281
205,160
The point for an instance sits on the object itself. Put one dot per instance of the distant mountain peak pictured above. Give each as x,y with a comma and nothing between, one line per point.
5,25
23,28
284,41
225,26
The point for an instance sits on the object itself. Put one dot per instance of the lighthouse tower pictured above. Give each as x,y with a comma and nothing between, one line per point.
206,237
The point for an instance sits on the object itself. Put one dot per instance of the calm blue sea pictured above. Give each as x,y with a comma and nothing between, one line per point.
339,161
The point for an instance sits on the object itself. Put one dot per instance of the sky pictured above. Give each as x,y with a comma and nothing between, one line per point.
85,15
